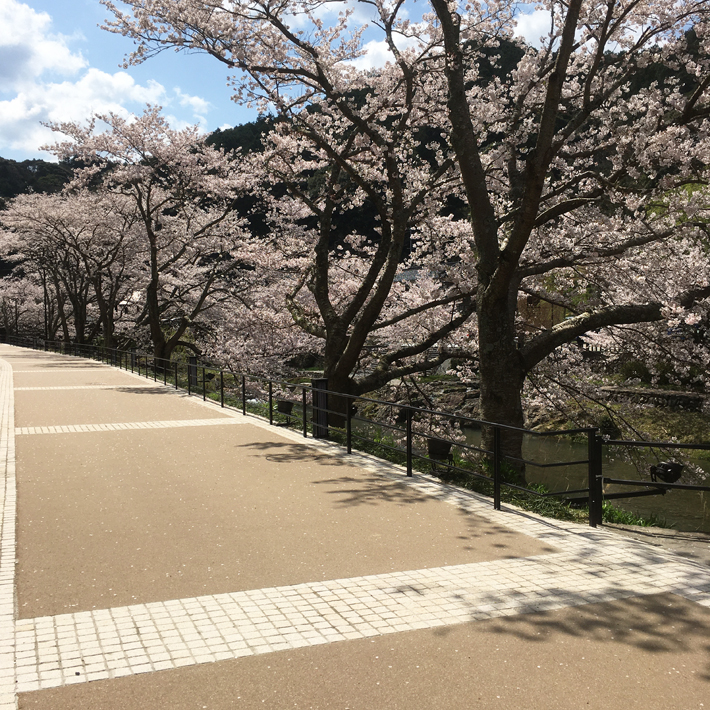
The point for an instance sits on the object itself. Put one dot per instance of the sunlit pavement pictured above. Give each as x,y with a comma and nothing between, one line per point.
172,554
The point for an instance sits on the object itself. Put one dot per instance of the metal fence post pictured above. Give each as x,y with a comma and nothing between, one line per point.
204,385
176,375
591,476
496,468
221,388
165,372
348,426
304,411
319,402
192,373
598,481
409,441
244,395
271,402
155,369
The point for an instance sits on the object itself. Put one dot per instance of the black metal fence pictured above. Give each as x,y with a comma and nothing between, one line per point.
415,437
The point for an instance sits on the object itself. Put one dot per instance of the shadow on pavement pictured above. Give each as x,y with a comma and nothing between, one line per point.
370,490
656,624
282,452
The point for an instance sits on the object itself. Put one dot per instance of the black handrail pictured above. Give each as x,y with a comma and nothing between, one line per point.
153,363
124,358
657,484
655,444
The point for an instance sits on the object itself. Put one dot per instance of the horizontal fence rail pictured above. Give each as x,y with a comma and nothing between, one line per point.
326,414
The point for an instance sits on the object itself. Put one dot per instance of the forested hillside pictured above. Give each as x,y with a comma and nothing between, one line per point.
30,176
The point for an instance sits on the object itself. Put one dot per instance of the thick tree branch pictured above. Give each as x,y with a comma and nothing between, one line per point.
540,346
420,309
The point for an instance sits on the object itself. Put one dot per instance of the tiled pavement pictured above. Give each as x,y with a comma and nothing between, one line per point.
7,539
82,387
592,566
122,426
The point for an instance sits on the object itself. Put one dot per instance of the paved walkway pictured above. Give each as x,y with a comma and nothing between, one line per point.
172,554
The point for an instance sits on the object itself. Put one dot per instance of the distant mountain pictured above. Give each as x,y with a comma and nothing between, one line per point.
246,137
30,176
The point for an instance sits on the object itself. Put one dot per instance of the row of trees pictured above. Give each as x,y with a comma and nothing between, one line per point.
138,237
393,209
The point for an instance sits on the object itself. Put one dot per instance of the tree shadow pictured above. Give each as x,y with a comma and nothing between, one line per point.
51,363
151,390
371,489
658,624
481,529
283,452
692,546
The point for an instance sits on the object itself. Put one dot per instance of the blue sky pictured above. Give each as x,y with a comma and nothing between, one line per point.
56,64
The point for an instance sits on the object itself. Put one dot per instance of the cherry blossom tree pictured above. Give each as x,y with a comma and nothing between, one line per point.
84,245
344,277
352,142
564,173
35,238
21,306
181,194
572,162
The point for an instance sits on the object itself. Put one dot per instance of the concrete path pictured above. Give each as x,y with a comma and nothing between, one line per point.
161,552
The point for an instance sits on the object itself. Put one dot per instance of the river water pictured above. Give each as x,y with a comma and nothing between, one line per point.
682,510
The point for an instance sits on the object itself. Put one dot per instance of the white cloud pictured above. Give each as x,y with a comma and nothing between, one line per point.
94,92
377,52
199,105
28,49
327,12
532,26
43,80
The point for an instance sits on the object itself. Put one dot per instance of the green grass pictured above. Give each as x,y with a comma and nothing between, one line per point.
550,507
610,514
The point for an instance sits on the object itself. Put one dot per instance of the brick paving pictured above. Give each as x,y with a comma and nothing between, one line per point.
122,426
8,501
580,566
81,387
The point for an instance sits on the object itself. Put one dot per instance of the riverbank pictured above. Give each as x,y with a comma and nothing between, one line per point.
624,413
625,419
631,420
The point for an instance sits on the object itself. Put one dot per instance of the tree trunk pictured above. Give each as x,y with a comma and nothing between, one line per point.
105,314
502,375
338,382
79,321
